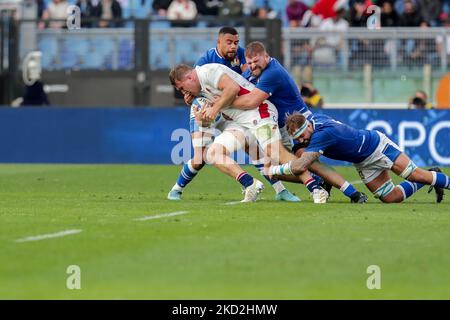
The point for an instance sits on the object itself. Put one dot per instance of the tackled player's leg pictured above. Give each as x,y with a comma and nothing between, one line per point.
219,153
200,140
269,138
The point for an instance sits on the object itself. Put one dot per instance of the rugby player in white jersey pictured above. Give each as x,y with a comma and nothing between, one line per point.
222,85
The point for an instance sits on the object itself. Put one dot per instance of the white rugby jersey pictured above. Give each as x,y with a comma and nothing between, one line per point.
210,75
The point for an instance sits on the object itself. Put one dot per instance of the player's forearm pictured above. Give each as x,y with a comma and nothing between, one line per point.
295,167
303,163
245,102
226,99
290,168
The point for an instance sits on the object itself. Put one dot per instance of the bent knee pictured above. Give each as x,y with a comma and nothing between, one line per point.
395,196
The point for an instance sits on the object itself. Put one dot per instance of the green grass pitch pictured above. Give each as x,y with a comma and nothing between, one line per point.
263,250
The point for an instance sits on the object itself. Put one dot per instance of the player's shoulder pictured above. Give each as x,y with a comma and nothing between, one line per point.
273,70
209,56
241,52
323,123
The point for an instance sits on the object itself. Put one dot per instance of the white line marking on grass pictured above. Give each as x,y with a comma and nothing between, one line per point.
356,182
49,236
164,215
232,203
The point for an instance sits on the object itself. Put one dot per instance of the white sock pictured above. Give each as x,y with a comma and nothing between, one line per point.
278,186
177,187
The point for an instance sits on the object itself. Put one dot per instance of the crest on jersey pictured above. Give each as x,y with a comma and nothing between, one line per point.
236,62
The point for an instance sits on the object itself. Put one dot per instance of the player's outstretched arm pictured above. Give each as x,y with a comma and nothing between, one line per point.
295,167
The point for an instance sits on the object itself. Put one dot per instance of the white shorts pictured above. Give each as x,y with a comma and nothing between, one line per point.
212,134
266,134
380,160
233,136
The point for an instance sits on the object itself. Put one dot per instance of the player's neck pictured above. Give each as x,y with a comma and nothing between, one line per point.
223,56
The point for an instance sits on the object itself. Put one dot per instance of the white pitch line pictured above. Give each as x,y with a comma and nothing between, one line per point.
356,182
49,236
231,203
164,215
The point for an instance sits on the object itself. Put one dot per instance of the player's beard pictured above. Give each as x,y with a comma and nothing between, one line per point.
231,55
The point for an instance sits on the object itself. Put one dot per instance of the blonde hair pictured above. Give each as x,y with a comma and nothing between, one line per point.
294,120
179,72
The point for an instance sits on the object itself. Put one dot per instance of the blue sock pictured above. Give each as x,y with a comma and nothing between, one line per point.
276,184
318,179
245,179
311,184
348,189
409,188
440,180
260,167
186,175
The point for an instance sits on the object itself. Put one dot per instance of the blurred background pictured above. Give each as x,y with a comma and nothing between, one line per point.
343,54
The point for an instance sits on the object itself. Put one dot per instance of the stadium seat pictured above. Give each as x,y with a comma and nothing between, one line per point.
77,45
103,45
126,54
49,48
47,61
48,45
160,24
93,61
68,60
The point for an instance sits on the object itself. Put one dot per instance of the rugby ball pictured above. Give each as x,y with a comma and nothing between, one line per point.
201,103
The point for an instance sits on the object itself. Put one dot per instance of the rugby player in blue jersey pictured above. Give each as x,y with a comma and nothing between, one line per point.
274,83
229,53
371,152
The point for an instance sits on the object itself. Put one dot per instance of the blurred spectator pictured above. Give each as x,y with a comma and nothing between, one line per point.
358,14
40,8
327,49
389,17
338,23
265,12
295,11
107,10
443,42
424,51
399,6
430,11
411,17
56,10
182,10
207,8
248,7
35,95
311,96
327,8
87,10
419,101
231,8
160,7
361,50
31,75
